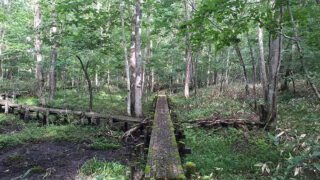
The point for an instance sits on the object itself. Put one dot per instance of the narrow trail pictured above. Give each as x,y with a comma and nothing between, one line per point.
163,157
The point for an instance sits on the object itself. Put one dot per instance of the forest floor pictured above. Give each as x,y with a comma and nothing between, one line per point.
33,151
290,151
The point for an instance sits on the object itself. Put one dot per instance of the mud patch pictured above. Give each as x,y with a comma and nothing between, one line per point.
60,160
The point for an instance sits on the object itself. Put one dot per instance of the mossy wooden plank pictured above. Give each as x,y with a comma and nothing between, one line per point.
163,157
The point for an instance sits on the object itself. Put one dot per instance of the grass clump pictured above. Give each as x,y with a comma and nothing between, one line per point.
37,170
103,146
98,169
16,157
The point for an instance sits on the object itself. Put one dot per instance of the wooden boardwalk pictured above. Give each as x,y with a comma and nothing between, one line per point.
25,109
163,155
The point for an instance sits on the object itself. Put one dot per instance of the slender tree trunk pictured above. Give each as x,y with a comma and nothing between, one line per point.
215,72
125,60
237,49
253,62
305,70
209,66
54,54
189,55
132,63
38,49
152,69
263,72
138,84
227,69
196,72
86,74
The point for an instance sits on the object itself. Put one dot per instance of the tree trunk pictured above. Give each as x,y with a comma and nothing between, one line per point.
215,72
125,61
152,69
237,49
189,56
253,72
132,63
86,74
274,67
196,72
305,70
209,66
138,84
263,72
38,49
54,54
227,70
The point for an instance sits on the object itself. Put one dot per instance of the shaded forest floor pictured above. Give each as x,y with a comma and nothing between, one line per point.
32,151
291,150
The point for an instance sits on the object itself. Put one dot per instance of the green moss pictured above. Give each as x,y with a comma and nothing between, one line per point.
148,169
181,177
38,170
190,168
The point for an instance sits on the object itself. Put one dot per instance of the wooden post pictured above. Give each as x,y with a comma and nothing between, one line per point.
47,117
26,115
6,107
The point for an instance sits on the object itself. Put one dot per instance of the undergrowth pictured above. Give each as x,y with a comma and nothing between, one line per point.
291,151
98,169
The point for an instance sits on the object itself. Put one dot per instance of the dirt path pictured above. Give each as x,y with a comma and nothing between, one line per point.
163,158
58,160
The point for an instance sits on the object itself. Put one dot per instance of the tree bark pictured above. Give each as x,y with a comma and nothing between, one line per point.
237,49
52,76
125,60
132,63
86,74
38,49
189,55
253,62
138,83
305,70
263,72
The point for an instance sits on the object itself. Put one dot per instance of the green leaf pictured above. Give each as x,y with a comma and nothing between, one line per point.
315,154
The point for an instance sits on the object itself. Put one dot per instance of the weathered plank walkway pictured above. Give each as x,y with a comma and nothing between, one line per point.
163,157
25,109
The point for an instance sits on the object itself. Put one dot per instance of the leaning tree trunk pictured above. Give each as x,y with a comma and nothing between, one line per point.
237,49
39,56
138,83
126,60
189,56
52,76
86,74
132,63
305,70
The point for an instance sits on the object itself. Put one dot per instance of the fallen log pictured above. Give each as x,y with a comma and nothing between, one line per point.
223,122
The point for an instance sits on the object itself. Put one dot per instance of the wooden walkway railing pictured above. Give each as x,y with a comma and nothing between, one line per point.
163,160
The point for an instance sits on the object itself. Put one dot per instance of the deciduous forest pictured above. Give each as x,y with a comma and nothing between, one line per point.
159,89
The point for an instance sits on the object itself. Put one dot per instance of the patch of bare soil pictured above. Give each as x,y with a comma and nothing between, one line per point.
61,160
